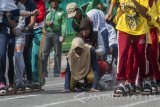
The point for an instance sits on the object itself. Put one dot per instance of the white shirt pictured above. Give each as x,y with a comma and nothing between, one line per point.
7,5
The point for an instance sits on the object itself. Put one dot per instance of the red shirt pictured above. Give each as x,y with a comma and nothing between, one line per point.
42,10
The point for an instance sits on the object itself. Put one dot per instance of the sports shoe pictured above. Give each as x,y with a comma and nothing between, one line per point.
3,89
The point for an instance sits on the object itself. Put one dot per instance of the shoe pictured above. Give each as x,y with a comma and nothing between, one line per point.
11,89
28,86
20,89
147,88
121,90
154,87
132,88
36,86
3,89
56,75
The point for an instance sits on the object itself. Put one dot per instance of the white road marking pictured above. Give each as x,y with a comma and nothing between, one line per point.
53,84
19,97
140,102
72,100
26,96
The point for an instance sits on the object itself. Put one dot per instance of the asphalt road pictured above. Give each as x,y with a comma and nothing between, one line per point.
53,97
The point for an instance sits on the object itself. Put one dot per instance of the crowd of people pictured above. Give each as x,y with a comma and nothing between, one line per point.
128,40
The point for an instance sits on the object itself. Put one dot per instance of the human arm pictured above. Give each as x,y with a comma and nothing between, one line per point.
140,8
109,14
30,25
67,79
63,26
95,67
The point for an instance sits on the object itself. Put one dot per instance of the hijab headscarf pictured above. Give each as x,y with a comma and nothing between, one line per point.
7,5
97,18
79,65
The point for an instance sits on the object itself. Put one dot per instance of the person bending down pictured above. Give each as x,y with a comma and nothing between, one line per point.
82,64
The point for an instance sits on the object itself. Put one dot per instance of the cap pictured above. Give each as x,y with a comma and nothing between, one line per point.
71,9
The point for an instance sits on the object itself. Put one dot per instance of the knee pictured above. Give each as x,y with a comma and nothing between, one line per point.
90,76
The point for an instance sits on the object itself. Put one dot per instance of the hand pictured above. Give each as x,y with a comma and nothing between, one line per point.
49,23
35,12
108,16
61,39
13,31
25,29
93,90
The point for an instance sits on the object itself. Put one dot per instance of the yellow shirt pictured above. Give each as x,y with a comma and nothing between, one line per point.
159,37
158,11
158,7
152,11
131,21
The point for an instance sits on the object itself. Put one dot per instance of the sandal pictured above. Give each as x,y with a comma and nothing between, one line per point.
154,87
121,90
20,90
132,88
147,88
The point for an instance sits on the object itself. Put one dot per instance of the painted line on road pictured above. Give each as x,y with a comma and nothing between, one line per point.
26,96
53,84
19,97
72,100
140,102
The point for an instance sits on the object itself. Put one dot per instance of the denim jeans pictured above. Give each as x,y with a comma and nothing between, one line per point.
52,40
27,56
4,38
104,34
10,53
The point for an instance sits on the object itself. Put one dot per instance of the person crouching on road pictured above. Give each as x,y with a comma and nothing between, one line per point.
82,65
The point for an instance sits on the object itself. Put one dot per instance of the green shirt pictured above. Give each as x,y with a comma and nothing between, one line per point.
92,5
59,19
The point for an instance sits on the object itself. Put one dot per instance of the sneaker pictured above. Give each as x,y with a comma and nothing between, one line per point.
28,86
147,88
11,89
20,89
154,87
132,88
36,86
3,89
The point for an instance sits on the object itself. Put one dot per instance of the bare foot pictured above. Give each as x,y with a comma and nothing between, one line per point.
66,91
93,90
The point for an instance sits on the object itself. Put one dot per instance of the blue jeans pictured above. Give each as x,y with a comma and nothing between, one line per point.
52,40
4,38
104,34
11,47
115,52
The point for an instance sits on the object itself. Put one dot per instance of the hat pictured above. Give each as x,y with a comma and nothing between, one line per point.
71,9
